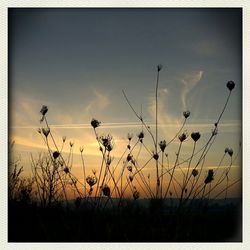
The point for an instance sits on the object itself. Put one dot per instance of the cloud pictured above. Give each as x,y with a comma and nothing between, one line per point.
164,116
189,82
99,103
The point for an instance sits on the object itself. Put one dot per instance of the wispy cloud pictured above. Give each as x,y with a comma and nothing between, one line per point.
99,103
189,82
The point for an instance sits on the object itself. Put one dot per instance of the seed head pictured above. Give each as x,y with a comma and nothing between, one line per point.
230,85
56,154
136,195
44,110
91,180
210,176
141,136
195,136
66,170
195,172
106,190
107,142
46,131
156,156
129,168
159,67
182,137
186,114
130,136
95,123
229,151
129,157
64,138
162,145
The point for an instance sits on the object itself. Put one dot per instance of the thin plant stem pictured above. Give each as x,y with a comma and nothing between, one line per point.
171,177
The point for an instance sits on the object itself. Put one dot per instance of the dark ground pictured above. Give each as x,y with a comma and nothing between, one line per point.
132,222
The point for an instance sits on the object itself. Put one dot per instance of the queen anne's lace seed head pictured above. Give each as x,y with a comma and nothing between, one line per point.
46,131
44,110
182,137
136,195
162,145
95,123
230,85
195,136
159,67
56,154
210,176
91,180
186,114
106,190
195,172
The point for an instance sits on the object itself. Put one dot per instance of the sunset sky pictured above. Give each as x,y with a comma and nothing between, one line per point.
78,61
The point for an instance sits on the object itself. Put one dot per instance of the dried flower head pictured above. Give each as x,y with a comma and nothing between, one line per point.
129,168
129,157
39,130
210,176
46,131
141,136
186,114
159,67
131,177
195,172
66,170
56,154
107,141
162,145
195,136
71,144
95,123
156,156
44,110
64,138
136,195
91,180
182,137
230,85
130,136
81,149
106,190
229,151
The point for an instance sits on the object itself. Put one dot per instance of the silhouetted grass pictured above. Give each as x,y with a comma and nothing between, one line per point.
132,222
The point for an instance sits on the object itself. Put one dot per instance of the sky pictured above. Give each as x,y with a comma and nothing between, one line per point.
78,61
